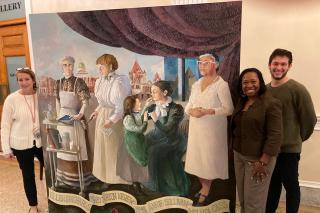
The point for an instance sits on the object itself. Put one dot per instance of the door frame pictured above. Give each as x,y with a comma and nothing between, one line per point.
12,27
21,23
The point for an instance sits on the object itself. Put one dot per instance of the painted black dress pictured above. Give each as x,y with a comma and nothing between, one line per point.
165,148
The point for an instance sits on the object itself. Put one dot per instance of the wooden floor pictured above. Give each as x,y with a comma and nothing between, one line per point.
303,209
12,196
13,200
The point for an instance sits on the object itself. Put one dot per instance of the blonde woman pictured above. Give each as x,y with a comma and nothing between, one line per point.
20,131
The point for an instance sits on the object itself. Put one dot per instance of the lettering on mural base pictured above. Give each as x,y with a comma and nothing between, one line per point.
70,199
159,204
111,197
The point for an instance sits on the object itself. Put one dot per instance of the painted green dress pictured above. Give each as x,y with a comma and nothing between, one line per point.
134,137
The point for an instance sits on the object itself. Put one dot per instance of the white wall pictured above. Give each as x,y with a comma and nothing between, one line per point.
293,25
289,24
266,25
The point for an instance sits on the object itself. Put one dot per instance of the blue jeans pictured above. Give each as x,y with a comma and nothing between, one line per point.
285,173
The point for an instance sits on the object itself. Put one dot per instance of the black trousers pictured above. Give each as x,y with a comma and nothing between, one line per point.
286,174
26,163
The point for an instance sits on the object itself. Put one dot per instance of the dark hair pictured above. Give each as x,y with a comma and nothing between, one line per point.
28,71
216,57
280,52
106,59
164,85
263,87
128,104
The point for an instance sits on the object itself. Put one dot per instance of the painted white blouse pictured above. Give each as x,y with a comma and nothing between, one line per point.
110,92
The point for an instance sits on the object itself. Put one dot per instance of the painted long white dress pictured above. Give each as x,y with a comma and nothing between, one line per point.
207,150
110,93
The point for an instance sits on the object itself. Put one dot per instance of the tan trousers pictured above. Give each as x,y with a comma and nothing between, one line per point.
252,195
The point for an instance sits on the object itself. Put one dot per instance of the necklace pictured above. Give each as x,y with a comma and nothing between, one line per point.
204,84
216,78
33,114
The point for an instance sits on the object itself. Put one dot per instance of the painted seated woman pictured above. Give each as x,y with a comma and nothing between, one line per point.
165,146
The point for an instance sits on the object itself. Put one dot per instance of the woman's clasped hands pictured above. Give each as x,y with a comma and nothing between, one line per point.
198,112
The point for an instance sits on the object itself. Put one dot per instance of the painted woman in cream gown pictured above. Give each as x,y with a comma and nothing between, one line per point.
208,107
110,91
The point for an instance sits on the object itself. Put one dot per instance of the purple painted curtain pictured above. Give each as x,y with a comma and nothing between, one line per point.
178,31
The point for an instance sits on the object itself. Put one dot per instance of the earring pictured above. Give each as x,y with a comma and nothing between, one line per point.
242,94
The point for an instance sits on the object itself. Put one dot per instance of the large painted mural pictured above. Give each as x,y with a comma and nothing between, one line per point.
91,165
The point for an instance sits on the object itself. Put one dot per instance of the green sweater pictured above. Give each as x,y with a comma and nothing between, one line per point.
298,114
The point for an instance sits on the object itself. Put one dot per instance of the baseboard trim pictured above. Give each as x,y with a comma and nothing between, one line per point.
309,184
310,193
317,126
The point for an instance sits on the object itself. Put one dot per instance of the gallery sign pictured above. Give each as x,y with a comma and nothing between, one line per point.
12,9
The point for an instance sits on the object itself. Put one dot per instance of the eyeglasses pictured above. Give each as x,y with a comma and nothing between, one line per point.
205,63
23,68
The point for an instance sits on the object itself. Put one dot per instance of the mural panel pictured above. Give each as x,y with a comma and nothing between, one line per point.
97,71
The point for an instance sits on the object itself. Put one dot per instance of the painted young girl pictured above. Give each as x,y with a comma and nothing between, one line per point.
135,124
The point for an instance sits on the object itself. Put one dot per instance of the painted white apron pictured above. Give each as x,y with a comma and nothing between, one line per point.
70,105
107,143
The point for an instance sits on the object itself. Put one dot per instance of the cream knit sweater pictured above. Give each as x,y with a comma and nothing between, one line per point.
16,123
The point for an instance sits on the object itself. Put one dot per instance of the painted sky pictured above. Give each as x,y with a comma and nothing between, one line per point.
52,39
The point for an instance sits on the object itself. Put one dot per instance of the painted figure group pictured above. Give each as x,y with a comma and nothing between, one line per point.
137,144
122,153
